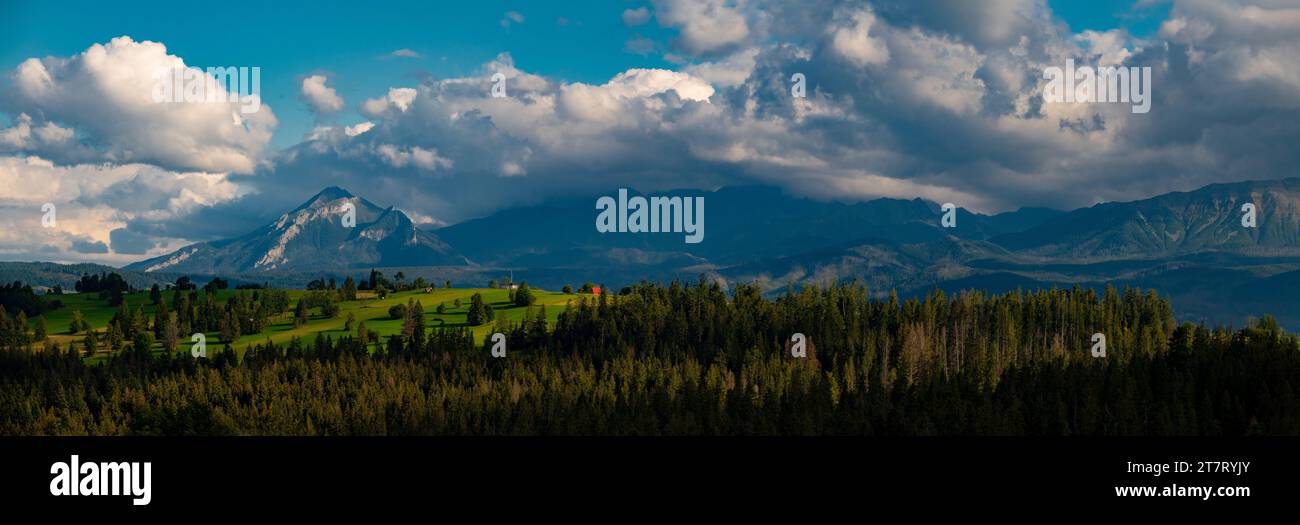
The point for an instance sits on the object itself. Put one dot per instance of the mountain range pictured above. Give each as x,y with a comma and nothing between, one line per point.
314,235
1190,245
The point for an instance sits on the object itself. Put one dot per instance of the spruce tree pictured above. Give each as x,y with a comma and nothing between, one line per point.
90,344
479,312
38,329
300,314
524,295
170,336
349,290
76,325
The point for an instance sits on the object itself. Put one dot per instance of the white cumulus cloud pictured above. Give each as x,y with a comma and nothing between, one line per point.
320,98
852,38
705,25
397,98
106,95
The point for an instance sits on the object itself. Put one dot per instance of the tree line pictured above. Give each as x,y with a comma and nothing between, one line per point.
693,359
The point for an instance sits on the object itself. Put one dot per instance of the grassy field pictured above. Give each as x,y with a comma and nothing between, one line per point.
367,308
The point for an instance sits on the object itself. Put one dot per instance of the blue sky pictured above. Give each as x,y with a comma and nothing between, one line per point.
1142,19
580,40
937,99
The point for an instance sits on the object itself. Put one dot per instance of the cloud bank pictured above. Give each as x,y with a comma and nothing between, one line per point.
939,100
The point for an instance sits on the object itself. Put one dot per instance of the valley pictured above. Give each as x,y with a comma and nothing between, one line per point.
368,309
1190,245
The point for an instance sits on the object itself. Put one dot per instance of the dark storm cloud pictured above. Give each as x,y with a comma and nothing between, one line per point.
89,246
128,242
931,99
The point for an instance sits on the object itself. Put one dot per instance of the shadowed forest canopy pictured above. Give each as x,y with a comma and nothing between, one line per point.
689,359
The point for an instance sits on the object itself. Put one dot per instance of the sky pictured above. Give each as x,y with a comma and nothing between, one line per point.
937,99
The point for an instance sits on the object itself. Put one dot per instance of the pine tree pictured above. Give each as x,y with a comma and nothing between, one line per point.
89,344
479,312
226,329
38,330
329,309
142,342
170,336
183,315
413,323
524,296
78,322
349,290
20,329
300,314
114,336
160,318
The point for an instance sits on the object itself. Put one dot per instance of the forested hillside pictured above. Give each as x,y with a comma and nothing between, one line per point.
689,359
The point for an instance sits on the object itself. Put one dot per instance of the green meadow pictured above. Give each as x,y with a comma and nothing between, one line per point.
367,308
